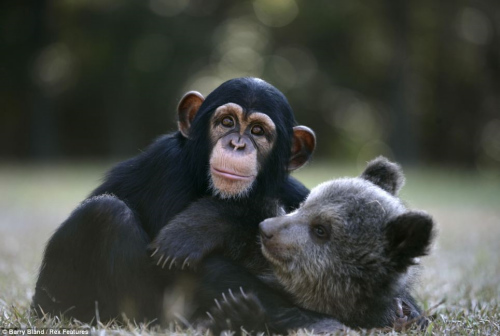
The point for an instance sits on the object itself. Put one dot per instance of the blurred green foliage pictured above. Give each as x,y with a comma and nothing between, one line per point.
418,81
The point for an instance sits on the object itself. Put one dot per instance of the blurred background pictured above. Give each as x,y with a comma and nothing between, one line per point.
418,81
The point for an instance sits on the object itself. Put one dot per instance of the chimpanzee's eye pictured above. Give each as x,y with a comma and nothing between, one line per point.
257,130
320,231
227,122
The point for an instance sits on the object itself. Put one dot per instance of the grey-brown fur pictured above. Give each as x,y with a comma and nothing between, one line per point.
350,249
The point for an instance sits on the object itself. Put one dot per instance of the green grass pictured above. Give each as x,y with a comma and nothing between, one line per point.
460,282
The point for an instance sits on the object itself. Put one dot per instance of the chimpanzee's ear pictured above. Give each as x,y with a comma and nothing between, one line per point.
409,236
188,106
304,142
384,173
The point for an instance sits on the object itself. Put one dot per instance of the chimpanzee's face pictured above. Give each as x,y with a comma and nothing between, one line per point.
240,144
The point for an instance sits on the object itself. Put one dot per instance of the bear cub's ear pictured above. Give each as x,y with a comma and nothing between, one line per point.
385,174
409,236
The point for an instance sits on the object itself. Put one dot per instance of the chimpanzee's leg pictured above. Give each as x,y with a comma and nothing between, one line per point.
97,259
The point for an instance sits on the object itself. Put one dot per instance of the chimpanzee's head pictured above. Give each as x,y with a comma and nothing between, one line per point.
244,135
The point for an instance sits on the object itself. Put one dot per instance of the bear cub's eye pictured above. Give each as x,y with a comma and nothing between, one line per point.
320,231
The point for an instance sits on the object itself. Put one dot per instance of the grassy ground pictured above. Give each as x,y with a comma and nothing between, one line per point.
460,282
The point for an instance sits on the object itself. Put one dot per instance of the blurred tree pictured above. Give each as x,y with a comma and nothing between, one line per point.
42,124
400,80
415,80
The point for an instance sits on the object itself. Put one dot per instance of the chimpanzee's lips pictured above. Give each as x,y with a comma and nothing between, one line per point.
230,175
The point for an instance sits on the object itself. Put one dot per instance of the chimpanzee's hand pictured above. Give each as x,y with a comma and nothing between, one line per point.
236,311
191,235
177,247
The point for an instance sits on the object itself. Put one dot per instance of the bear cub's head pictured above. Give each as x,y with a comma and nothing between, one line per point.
348,250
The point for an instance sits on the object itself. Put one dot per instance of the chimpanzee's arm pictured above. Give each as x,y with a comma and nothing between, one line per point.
292,194
207,225
271,311
198,230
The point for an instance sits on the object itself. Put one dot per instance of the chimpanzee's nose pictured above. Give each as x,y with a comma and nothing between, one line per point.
237,144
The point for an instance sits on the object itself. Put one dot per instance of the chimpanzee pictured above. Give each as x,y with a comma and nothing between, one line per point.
238,145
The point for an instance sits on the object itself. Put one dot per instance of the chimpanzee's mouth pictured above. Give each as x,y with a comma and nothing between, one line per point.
230,175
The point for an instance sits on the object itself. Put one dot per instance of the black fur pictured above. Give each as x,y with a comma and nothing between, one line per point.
213,225
98,256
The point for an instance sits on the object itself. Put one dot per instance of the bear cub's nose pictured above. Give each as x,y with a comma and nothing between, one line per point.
265,230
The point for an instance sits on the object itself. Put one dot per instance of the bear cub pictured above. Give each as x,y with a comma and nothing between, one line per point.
351,248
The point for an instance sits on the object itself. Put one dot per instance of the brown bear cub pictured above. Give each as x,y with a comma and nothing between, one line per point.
348,252
350,248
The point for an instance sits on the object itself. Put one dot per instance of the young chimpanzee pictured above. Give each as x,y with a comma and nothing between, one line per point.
348,252
239,145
